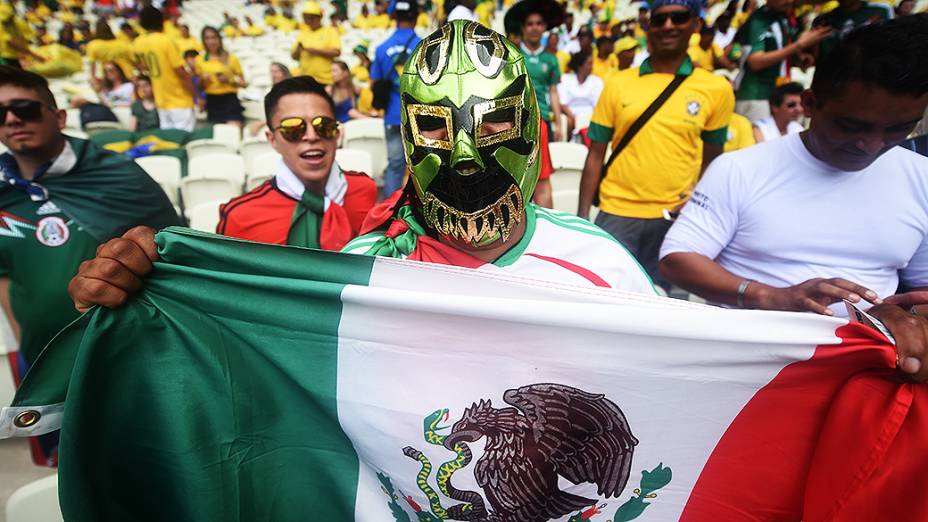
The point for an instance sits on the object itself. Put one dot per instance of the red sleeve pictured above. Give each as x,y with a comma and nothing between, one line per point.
262,215
359,199
546,167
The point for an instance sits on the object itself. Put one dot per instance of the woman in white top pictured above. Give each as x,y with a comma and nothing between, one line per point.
114,89
579,90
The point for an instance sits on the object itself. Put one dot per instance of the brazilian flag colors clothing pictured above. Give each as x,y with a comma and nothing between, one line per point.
556,247
85,197
252,382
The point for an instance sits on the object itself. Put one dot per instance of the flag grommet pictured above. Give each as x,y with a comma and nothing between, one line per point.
26,418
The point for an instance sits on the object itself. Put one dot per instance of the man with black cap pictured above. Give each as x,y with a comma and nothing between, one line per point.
530,19
389,59
650,178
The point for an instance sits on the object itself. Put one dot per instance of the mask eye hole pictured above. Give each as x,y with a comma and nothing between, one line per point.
432,127
497,121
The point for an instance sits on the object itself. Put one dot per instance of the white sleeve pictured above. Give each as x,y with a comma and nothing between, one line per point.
915,274
710,218
563,93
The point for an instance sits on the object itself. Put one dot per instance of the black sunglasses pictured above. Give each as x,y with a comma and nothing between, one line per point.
293,129
677,17
25,110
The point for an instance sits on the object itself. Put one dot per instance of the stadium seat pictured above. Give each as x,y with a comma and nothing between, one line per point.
229,134
368,134
253,149
265,167
207,147
73,120
565,190
253,110
165,170
217,165
124,115
96,127
205,216
204,189
36,501
567,156
354,159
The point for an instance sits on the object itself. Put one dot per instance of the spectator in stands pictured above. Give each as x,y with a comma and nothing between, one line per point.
199,95
542,66
231,29
251,29
186,41
66,37
724,32
389,55
464,10
849,15
362,71
381,20
363,20
105,47
162,62
279,73
605,62
316,47
785,112
144,111
836,212
905,8
114,89
311,202
707,54
652,176
579,90
767,44
74,196
127,33
740,134
221,75
13,44
344,93
626,49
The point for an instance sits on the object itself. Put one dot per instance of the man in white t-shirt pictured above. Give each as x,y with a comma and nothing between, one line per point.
837,212
785,111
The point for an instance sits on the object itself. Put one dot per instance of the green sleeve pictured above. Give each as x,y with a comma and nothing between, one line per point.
717,136
599,133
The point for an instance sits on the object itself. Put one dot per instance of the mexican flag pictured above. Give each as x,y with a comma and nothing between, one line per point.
254,382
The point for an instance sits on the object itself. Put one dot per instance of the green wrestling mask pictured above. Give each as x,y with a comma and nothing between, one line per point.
470,132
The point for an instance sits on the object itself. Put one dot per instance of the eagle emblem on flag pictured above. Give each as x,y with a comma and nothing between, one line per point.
548,431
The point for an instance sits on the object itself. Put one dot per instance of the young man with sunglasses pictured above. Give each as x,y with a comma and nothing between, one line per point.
60,197
311,202
785,112
653,175
836,212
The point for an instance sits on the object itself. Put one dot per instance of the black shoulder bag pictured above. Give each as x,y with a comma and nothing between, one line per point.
636,126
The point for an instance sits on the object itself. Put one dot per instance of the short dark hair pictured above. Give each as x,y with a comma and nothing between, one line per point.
888,54
781,92
407,15
28,80
151,19
577,60
191,53
294,85
603,40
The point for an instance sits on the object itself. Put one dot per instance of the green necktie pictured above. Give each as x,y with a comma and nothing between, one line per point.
307,221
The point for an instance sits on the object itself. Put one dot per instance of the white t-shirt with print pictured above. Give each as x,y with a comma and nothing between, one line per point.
776,214
580,97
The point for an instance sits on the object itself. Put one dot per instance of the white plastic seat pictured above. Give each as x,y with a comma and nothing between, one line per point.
124,115
205,216
368,134
357,160
165,170
219,165
73,119
96,127
264,168
567,156
565,190
207,147
198,190
34,502
252,150
229,134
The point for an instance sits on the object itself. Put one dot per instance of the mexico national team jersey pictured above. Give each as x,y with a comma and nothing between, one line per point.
85,197
266,214
556,247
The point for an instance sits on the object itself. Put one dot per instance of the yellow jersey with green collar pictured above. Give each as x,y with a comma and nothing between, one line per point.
161,58
659,167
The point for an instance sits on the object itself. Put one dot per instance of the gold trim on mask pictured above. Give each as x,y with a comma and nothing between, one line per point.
472,39
471,227
484,108
443,41
437,111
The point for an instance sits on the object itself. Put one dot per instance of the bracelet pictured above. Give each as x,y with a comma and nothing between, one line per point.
742,288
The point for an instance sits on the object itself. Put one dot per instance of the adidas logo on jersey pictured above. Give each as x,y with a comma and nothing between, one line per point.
48,208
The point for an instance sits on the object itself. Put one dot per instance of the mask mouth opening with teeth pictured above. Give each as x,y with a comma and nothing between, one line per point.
470,133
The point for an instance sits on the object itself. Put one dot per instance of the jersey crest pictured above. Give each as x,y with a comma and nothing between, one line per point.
52,231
